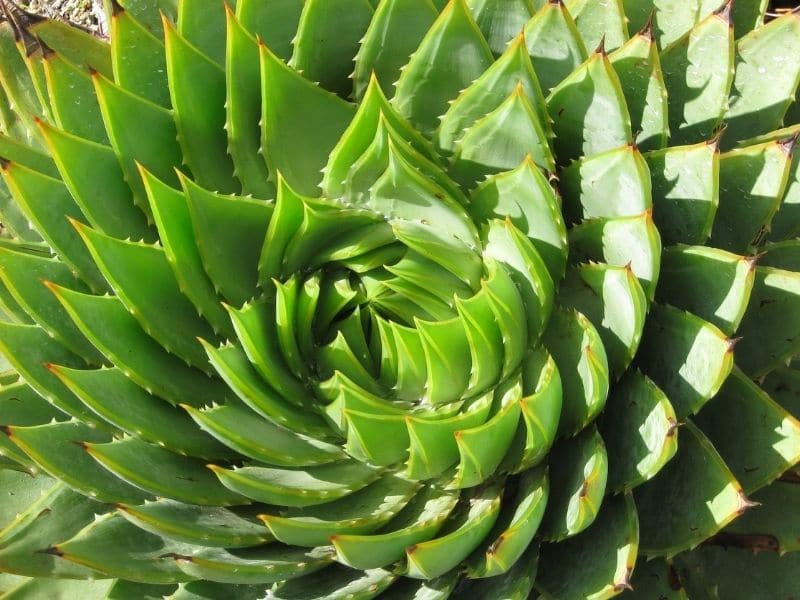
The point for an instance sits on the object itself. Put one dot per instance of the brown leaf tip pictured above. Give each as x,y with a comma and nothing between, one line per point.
116,8
789,145
647,31
725,12
732,342
52,550
601,47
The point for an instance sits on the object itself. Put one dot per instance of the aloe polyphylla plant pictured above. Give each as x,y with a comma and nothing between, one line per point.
401,299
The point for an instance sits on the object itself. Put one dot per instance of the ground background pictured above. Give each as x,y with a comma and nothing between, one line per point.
89,13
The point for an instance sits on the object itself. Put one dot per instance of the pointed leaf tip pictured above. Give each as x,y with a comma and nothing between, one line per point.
725,12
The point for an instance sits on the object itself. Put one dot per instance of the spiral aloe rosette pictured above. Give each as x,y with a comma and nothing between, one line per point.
348,300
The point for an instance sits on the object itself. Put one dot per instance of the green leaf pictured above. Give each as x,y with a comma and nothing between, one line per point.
56,514
762,90
301,487
18,86
621,242
201,525
489,91
233,366
554,44
501,140
612,299
59,449
21,405
29,349
327,39
640,431
148,12
93,177
420,520
433,446
115,547
530,304
541,410
597,563
229,234
160,307
126,406
380,439
769,326
177,477
374,124
702,492
786,222
599,21
759,440
482,448
588,111
72,99
524,196
656,578
461,534
453,253
274,22
500,21
451,56
78,46
158,152
336,583
256,329
22,274
687,357
685,181
174,221
122,590
360,513
717,571
116,333
301,124
578,351
209,590
137,57
578,474
781,384
395,31
20,491
250,435
263,564
749,15
638,66
243,100
698,72
508,543
199,111
770,525
202,27
611,184
752,183
61,589
47,203
416,589
713,284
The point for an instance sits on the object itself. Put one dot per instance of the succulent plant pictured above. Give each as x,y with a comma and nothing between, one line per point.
401,299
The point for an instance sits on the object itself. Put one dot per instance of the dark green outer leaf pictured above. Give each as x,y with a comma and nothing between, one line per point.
701,492
598,563
771,324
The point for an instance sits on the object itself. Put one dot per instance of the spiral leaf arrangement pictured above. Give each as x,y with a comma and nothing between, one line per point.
400,299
